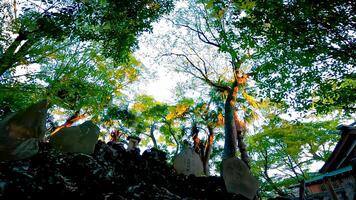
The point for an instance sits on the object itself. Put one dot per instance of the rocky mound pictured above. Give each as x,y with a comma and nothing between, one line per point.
109,173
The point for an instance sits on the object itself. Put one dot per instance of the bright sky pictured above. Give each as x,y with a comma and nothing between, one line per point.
163,80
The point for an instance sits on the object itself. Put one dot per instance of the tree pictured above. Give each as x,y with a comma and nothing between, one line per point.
150,114
143,116
220,66
80,81
256,39
284,151
204,117
302,50
113,25
83,49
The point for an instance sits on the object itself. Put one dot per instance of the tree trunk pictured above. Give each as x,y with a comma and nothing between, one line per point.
115,136
266,176
196,140
240,139
229,123
69,122
175,139
207,151
153,136
14,5
302,190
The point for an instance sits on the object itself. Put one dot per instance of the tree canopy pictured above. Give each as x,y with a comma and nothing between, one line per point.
246,64
113,25
284,151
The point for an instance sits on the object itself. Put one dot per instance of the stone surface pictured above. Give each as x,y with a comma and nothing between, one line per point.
238,179
78,139
188,162
133,143
21,131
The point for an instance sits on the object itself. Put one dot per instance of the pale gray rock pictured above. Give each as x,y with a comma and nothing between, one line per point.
188,162
238,178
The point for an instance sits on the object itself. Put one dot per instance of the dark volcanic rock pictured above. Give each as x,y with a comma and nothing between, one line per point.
110,173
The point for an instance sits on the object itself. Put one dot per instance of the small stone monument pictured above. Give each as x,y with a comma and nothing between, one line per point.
238,178
133,142
21,131
79,139
188,162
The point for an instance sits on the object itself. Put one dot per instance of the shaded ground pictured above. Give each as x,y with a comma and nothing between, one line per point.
109,173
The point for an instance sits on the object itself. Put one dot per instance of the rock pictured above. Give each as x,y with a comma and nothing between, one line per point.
79,139
2,186
147,191
27,148
188,162
104,151
280,198
118,147
103,175
155,154
238,179
21,131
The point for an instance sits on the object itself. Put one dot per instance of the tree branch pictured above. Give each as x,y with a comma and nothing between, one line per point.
200,33
203,76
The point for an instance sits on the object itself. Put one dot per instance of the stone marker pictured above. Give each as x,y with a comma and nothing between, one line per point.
21,131
79,139
238,178
188,162
133,142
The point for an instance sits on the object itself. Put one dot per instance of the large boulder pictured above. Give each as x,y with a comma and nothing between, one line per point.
188,162
238,178
21,131
76,139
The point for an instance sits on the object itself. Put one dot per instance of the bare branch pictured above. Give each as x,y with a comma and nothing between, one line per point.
203,76
200,33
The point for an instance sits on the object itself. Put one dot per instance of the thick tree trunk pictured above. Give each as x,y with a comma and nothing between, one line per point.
153,136
229,124
240,140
